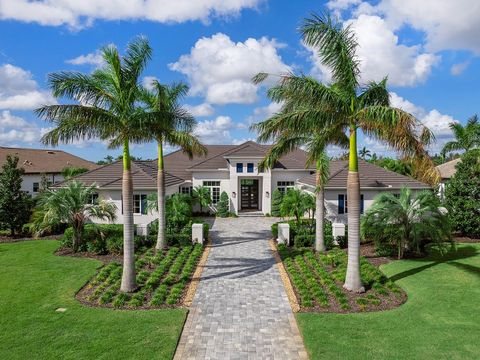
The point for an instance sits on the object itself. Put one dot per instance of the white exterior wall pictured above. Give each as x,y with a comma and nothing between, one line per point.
198,177
29,179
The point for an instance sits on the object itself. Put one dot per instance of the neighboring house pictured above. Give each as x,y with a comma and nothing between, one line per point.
446,171
373,180
42,162
234,169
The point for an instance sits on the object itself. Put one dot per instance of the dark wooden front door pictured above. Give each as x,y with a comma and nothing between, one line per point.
249,194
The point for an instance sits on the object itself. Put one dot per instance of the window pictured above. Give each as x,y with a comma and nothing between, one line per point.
140,204
36,186
250,167
186,189
214,187
93,199
343,204
239,167
283,186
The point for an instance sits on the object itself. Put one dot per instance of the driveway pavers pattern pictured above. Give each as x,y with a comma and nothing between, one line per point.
240,309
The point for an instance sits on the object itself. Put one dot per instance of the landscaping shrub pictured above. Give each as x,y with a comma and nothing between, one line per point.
223,206
462,195
277,198
304,240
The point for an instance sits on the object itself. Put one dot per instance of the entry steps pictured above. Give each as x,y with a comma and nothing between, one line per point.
250,214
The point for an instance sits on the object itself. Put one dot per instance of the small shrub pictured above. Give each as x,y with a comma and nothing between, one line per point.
277,198
302,241
223,206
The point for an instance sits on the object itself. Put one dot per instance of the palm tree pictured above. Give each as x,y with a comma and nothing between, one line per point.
408,220
466,137
295,203
108,109
364,153
347,105
202,196
73,205
173,126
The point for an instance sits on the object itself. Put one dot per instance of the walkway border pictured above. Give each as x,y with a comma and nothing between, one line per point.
292,298
192,288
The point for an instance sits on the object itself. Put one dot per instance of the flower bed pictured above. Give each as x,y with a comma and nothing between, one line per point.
317,280
162,279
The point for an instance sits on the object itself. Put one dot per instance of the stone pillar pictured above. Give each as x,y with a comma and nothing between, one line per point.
197,233
338,229
284,234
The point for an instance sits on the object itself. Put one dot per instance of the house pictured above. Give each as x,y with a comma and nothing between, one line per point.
39,163
234,169
446,171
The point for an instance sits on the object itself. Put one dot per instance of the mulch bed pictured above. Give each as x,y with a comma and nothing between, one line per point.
84,254
9,239
464,239
368,252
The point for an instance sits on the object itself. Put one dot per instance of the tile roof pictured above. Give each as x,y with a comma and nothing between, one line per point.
36,161
448,169
371,176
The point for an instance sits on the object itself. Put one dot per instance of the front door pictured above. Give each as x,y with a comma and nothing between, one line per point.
249,194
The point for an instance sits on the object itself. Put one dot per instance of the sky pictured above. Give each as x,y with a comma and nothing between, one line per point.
429,50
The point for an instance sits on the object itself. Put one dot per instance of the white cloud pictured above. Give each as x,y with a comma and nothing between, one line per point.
200,110
216,131
18,90
147,82
458,69
262,113
94,58
77,14
14,128
221,70
381,54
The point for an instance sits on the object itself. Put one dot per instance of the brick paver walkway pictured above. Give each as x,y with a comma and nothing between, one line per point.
240,309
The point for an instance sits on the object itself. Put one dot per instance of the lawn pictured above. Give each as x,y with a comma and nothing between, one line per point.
34,283
440,319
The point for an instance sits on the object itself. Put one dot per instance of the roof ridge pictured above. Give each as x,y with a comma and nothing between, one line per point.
213,157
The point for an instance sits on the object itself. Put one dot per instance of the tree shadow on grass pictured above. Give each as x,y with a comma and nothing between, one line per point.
436,258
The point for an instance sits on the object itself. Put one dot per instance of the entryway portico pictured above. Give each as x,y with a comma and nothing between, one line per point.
249,199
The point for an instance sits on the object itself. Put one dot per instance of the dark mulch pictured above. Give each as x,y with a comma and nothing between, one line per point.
368,251
465,239
85,254
17,238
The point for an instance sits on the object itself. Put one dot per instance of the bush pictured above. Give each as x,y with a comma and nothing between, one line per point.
462,195
277,198
223,206
304,241
306,227
98,238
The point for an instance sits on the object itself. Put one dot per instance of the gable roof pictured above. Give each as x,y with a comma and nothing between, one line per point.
371,176
144,176
448,169
36,161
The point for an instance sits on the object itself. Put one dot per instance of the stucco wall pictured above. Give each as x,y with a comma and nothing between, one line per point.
29,179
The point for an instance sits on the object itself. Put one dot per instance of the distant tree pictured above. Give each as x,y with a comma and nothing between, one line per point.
277,198
406,222
202,197
15,204
106,160
466,137
71,172
73,206
364,153
223,207
462,195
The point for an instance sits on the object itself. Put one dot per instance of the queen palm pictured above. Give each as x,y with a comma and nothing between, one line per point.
173,126
350,106
364,153
466,137
108,109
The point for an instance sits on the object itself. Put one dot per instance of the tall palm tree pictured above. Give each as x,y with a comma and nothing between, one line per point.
350,106
173,125
466,137
364,153
72,205
107,109
314,141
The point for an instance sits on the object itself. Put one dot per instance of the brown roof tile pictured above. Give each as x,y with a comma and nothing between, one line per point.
448,169
36,161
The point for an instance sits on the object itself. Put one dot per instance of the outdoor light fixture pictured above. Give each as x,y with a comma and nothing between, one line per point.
234,194
268,194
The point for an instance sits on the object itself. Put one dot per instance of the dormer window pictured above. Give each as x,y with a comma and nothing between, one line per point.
250,167
239,167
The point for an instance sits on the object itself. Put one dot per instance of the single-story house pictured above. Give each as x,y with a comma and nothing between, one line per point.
234,169
39,163
446,171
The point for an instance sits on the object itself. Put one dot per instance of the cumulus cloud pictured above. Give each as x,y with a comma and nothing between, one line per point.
262,113
221,70
147,82
216,131
94,59
459,68
77,14
16,129
18,90
200,110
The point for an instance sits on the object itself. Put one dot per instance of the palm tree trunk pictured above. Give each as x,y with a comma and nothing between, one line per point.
353,281
319,212
161,243
128,277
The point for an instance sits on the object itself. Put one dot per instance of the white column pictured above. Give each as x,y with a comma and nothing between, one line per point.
197,233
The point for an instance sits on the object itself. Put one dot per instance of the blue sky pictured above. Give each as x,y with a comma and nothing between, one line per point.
430,56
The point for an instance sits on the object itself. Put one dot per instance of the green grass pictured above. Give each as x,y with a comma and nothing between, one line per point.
440,319
34,282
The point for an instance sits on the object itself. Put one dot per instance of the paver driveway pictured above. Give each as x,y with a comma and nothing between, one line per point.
240,309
